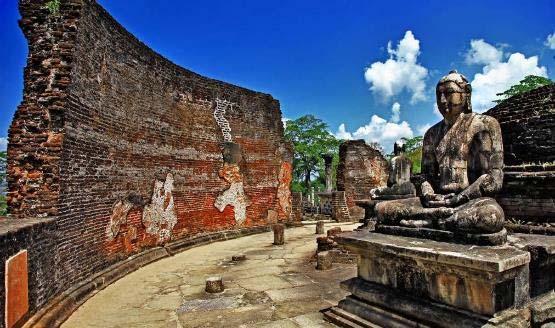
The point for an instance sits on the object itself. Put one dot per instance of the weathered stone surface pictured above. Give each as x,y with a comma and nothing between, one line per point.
320,227
328,159
378,305
483,280
542,252
297,206
172,290
399,183
214,285
489,259
239,258
332,232
279,234
361,168
323,261
340,210
17,288
462,164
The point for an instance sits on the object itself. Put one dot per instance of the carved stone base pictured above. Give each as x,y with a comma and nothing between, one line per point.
492,239
412,282
372,305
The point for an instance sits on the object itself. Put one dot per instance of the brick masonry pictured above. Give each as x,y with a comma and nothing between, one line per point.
528,125
124,150
361,168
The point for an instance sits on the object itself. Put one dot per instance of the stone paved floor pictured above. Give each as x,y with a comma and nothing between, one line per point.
277,286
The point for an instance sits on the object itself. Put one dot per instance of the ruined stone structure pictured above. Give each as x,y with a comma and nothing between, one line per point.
361,168
115,150
528,128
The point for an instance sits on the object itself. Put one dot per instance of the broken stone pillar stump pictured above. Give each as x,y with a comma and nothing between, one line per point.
320,227
324,261
334,231
239,257
406,282
279,234
214,285
324,243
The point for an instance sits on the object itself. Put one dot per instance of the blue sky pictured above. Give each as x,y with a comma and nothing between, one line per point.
331,58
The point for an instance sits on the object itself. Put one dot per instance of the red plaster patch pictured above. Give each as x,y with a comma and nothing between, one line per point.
17,284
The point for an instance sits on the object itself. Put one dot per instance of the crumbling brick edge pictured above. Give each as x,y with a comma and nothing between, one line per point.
60,308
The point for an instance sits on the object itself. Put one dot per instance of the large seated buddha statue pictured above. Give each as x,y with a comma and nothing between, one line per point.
462,165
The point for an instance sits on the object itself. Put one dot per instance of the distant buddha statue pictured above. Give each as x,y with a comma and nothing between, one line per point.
462,162
398,182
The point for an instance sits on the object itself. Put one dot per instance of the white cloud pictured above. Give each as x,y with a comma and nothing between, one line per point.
497,77
342,133
550,41
395,112
3,143
423,128
437,113
482,52
284,121
400,72
378,130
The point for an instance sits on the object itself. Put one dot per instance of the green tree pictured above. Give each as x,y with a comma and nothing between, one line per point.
529,83
413,150
311,140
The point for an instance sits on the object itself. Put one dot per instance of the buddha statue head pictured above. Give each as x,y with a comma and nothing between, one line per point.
453,96
398,148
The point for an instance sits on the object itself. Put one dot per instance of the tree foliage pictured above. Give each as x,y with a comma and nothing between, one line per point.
311,140
413,150
529,83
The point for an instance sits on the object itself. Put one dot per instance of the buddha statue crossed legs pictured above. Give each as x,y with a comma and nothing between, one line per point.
462,164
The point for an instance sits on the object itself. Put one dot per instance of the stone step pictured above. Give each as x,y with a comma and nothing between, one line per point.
353,318
340,321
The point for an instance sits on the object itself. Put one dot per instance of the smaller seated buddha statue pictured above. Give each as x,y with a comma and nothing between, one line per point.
398,182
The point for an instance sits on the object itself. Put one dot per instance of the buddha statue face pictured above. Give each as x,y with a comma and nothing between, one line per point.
453,96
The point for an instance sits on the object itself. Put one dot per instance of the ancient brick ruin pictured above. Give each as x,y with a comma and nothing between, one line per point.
115,150
361,168
528,127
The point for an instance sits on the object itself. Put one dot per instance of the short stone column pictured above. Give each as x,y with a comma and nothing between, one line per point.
323,261
279,234
239,257
332,232
320,227
214,285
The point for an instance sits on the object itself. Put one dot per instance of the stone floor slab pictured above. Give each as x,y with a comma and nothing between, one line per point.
277,286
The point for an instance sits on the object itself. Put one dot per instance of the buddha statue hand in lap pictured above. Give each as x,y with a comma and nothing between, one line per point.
462,164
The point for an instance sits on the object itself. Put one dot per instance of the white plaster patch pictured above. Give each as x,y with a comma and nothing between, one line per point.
159,216
219,112
234,196
119,216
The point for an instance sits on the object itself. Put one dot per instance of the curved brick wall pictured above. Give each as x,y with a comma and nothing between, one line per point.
126,150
